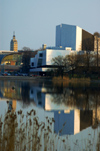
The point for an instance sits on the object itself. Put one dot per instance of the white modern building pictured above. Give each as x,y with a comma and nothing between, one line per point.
43,59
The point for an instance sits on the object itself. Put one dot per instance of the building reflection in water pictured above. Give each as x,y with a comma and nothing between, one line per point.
38,96
67,122
68,119
12,105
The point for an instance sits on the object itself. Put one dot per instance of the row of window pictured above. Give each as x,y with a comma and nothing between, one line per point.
39,63
39,60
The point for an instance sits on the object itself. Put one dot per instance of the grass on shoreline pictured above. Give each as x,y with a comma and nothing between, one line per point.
58,80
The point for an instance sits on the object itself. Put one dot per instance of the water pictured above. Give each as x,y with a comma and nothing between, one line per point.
49,116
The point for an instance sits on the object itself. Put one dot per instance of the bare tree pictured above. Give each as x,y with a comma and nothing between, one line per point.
97,34
72,61
58,62
27,49
67,63
75,63
27,54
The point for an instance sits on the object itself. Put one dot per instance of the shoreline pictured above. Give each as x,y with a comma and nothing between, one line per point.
24,78
39,78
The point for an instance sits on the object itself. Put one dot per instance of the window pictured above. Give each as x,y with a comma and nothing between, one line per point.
41,55
31,91
32,64
39,62
39,98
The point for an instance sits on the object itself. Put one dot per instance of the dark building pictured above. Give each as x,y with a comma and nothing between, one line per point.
87,41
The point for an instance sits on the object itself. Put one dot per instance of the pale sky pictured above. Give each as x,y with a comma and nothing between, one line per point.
34,21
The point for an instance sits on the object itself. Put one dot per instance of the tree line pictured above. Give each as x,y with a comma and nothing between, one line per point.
75,62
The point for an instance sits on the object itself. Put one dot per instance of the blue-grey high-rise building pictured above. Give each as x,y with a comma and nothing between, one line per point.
74,37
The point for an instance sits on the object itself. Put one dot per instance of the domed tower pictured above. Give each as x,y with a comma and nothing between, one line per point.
14,44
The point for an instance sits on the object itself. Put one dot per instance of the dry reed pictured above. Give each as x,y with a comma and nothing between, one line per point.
66,80
32,135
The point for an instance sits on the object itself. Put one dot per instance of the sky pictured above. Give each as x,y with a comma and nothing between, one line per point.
35,21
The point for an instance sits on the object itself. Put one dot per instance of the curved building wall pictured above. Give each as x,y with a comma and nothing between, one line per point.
1,57
12,59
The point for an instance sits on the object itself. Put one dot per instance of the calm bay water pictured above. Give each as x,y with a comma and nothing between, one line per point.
68,114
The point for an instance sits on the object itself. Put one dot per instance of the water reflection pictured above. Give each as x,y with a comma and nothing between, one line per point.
73,107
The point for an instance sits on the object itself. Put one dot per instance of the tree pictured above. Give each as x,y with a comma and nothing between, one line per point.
67,63
71,61
27,49
58,62
79,63
96,41
27,54
97,34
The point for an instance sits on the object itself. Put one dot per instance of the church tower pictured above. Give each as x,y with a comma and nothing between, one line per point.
14,44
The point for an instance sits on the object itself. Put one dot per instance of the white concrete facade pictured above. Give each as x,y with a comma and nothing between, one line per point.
43,59
78,38
69,36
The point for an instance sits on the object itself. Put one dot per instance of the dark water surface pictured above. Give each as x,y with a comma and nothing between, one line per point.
44,116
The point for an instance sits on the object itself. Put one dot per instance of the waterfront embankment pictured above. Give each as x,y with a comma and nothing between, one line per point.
55,80
37,78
